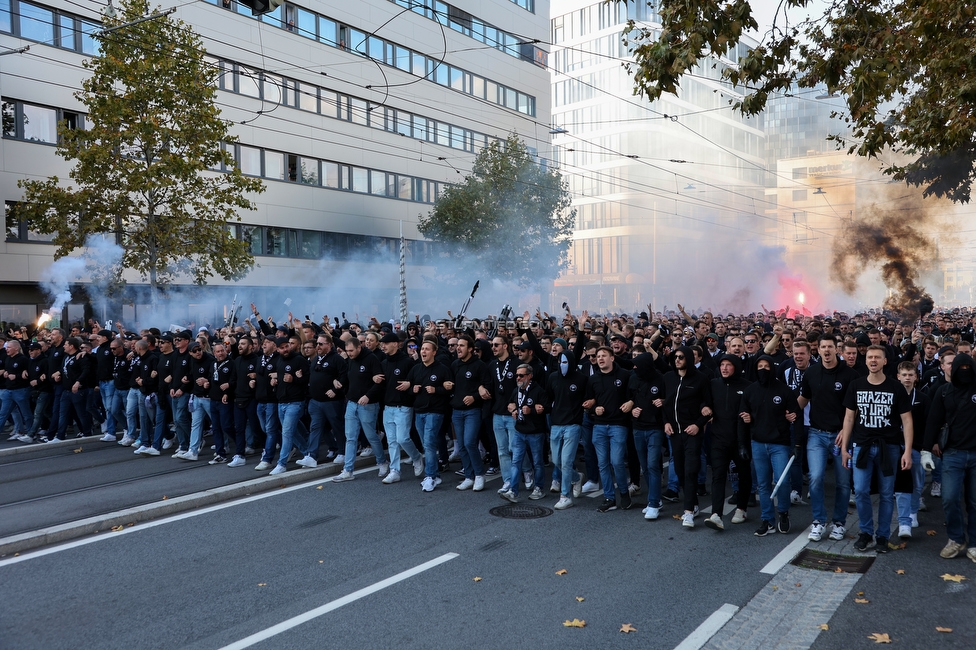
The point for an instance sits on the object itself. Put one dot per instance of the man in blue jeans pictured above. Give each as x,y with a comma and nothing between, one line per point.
527,408
823,388
362,408
647,391
565,388
610,405
470,386
17,390
954,405
430,406
876,406
501,369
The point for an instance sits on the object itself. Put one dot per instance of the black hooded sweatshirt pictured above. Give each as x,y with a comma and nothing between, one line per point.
767,401
566,392
646,387
954,405
686,395
727,404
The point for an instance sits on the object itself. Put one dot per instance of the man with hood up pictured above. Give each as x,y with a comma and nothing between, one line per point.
688,392
729,440
647,391
954,406
565,388
770,408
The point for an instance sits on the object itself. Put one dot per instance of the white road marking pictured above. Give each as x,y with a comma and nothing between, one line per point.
169,520
787,554
284,626
708,628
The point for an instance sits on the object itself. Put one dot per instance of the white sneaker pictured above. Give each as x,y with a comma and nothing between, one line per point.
189,455
816,532
555,487
279,469
168,443
505,487
455,456
527,479
263,465
936,489
837,532
127,441
384,469
141,449
108,437
739,517
578,488
150,451
650,514
367,451
479,483
307,461
427,485
343,476
715,522
466,484
25,438
633,490
688,520
419,467
905,532
563,503
340,459
537,494
392,477
915,521
796,499
179,454
237,461
590,486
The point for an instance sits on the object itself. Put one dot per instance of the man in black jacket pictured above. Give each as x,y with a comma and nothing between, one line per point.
470,384
428,379
77,379
398,407
565,389
362,407
104,369
609,406
527,408
290,379
244,373
328,377
202,378
728,442
688,393
16,394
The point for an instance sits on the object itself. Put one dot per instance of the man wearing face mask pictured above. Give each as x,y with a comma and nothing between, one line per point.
954,406
565,389
728,442
769,408
647,391
527,408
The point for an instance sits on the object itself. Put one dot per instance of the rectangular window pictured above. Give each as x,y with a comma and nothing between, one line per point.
12,223
358,111
249,159
36,23
419,127
403,187
8,111
799,172
306,23
457,79
90,44
40,124
272,17
403,123
799,195
252,236
247,82
374,48
291,171
66,29
356,42
360,180
5,24
276,242
403,58
377,182
330,175
308,97
420,65
274,165
329,105
311,246
327,31
309,171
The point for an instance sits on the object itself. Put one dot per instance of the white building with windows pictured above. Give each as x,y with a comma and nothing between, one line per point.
356,115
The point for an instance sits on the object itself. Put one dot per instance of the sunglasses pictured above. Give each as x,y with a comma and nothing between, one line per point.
521,374
679,356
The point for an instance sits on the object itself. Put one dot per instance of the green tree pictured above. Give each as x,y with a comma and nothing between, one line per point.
142,165
904,68
510,217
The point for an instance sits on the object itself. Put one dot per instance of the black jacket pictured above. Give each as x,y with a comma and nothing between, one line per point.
954,405
468,376
324,372
686,396
727,404
610,391
435,375
533,422
768,404
646,386
397,368
566,392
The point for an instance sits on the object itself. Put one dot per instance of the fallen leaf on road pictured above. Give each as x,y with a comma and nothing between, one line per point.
165,497
262,584
878,637
931,533
860,593
862,601
824,626
799,584
899,547
838,570
476,579
949,577
574,623
627,628
321,561
118,528
943,629
132,524
78,450
775,587
580,599
900,572
319,487
676,516
561,572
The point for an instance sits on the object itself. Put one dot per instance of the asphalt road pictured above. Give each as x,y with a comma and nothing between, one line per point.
212,579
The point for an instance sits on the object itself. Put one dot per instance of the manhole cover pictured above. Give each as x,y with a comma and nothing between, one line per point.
520,511
809,559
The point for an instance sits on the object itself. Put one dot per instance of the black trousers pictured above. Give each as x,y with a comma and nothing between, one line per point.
687,461
722,453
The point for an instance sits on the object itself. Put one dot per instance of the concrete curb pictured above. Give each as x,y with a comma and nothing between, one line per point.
75,529
27,448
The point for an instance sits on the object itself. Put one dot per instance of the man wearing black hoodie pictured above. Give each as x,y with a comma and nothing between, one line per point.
770,409
688,393
954,405
565,388
527,405
609,405
398,408
647,391
728,441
